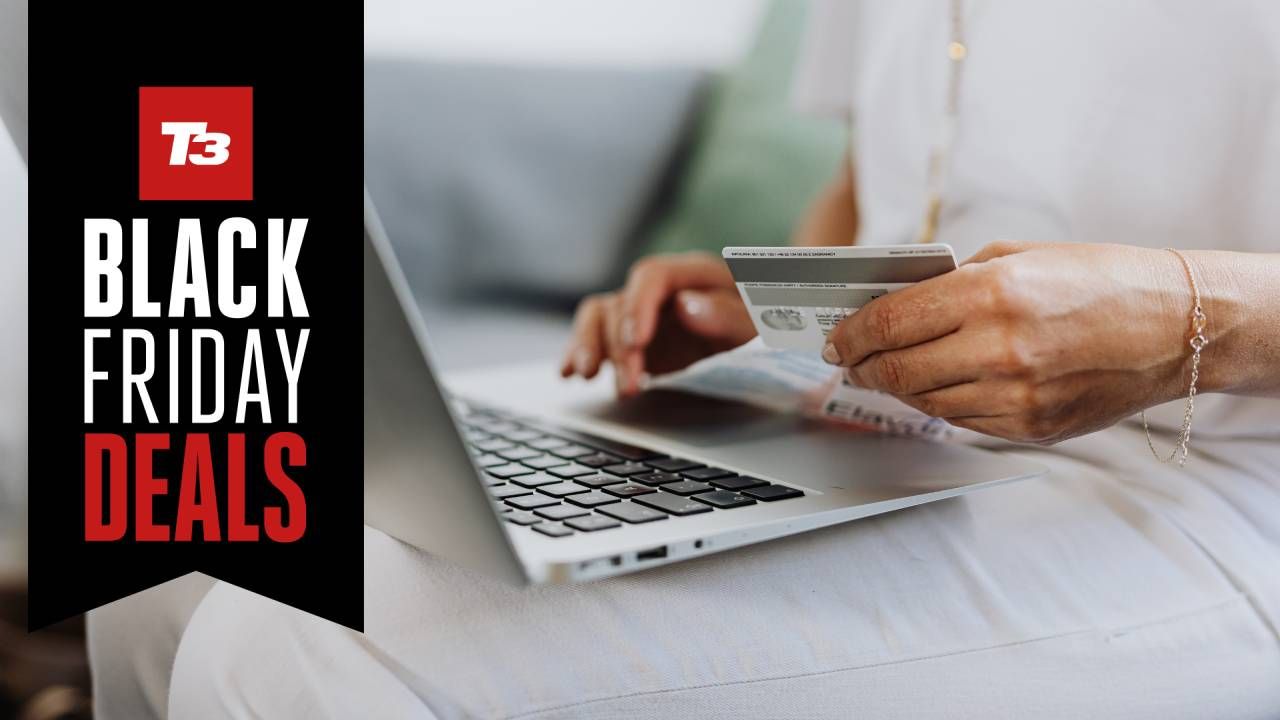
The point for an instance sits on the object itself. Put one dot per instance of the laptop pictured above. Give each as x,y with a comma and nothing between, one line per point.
524,479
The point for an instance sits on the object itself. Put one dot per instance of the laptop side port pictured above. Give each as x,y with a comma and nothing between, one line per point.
656,553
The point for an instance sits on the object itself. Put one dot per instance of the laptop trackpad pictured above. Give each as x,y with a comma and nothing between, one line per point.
690,419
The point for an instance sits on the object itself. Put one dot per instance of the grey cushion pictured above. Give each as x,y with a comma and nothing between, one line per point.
519,179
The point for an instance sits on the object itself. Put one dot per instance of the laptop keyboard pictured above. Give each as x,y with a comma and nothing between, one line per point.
561,482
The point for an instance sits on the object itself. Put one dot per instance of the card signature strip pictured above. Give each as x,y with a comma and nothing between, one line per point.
840,270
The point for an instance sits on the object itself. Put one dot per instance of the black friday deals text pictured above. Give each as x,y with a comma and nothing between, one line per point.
242,371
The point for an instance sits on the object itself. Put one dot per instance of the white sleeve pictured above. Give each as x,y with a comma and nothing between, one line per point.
13,71
823,82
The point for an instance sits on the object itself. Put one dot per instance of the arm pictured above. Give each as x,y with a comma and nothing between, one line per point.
1240,293
832,218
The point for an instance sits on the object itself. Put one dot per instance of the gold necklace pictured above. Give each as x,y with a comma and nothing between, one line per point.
940,155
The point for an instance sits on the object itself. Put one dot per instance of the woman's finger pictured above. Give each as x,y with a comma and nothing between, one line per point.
962,356
585,350
985,398
715,315
906,317
626,361
651,283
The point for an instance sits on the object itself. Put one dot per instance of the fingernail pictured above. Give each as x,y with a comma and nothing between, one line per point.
627,332
830,355
581,360
851,379
694,305
642,382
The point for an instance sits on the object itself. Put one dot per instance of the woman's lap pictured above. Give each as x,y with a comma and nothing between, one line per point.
132,643
1135,592
255,661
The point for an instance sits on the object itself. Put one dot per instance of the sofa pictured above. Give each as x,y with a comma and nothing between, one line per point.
512,190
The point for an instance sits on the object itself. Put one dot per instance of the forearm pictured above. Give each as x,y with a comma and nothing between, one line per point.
832,219
1241,298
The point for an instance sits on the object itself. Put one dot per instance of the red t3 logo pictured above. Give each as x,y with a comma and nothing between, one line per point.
195,143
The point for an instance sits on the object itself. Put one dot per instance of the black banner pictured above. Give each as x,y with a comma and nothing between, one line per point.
195,302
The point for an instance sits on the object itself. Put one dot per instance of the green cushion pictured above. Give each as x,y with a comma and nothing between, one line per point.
756,163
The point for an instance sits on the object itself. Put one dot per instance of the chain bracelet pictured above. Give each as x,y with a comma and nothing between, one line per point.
1198,340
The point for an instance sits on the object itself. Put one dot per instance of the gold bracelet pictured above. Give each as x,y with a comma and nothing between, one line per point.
1197,342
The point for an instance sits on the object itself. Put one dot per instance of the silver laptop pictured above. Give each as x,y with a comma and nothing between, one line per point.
607,489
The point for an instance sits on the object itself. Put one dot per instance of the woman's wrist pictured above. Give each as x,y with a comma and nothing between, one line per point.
1243,352
1171,301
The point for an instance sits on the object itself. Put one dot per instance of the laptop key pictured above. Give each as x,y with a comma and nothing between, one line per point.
561,512
547,442
506,471
561,489
599,459
542,462
673,504
571,470
724,499
519,453
508,490
706,473
738,482
628,490
686,487
591,523
599,480
657,478
522,435
535,480
554,530
531,502
672,464
569,452
769,493
489,460
493,445
627,468
591,499
521,518
613,447
632,513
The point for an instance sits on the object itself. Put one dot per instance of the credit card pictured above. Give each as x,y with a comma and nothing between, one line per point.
797,294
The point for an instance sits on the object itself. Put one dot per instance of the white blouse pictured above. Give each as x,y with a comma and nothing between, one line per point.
1144,122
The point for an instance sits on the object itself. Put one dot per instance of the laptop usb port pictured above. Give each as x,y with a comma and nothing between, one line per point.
652,553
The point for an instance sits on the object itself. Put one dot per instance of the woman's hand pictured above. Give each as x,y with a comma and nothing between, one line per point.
673,310
1034,343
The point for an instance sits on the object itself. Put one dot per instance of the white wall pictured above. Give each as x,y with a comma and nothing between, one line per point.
702,33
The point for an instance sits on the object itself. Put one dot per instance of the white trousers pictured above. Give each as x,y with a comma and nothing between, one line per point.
1116,587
